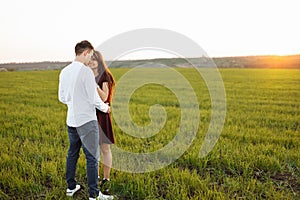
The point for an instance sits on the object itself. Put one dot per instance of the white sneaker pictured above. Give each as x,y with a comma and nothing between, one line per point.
70,193
102,197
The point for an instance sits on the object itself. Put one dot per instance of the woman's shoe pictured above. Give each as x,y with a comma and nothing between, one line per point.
105,185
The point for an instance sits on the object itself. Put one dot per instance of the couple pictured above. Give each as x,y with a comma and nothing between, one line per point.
88,118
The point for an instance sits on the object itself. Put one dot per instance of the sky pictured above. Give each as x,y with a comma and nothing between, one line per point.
34,30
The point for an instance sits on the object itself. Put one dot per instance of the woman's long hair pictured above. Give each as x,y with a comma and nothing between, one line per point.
104,74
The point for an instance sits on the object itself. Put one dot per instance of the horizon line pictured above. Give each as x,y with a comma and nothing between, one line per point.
139,59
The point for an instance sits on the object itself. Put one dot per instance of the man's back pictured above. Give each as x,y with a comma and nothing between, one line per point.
77,91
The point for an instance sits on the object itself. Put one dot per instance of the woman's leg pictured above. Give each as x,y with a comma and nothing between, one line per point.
107,159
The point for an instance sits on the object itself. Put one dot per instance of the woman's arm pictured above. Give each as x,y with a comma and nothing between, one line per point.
104,92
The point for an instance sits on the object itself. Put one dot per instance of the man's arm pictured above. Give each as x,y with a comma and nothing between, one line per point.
61,92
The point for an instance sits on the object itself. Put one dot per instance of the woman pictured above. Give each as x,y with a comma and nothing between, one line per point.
106,84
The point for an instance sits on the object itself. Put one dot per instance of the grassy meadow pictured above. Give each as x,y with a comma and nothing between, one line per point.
256,157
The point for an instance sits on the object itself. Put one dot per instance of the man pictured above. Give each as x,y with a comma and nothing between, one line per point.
78,90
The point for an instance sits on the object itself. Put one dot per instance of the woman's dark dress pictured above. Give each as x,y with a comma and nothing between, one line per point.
106,134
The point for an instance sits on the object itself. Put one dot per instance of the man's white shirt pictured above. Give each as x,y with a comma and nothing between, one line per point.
78,90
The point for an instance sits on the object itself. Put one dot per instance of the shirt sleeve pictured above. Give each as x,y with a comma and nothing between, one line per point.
61,91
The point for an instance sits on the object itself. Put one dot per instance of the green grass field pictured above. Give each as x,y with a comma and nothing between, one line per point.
256,157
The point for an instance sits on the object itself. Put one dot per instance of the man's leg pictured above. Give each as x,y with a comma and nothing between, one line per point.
92,173
72,158
89,134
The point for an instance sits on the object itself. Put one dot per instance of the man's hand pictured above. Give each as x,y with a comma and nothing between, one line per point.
108,110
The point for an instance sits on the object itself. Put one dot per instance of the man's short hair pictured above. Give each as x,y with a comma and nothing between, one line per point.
82,46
